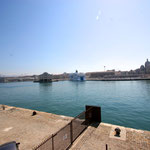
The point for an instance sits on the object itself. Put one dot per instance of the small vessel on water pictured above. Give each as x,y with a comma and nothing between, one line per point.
77,76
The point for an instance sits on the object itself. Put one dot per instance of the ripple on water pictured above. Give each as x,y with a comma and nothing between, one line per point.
124,103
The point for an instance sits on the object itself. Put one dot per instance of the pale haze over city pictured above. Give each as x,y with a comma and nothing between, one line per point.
62,36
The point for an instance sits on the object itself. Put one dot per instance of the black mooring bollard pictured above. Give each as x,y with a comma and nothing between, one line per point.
34,113
117,130
106,147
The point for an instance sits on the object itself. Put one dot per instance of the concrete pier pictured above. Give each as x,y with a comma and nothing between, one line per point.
97,138
18,124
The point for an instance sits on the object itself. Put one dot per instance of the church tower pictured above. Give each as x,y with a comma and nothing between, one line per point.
147,66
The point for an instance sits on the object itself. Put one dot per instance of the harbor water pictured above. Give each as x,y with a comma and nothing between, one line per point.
125,103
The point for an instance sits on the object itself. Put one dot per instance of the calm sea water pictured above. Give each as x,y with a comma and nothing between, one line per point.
124,103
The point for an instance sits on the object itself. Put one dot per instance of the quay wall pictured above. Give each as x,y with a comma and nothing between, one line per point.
18,124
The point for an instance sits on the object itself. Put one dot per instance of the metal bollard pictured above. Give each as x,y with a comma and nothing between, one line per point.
117,130
106,147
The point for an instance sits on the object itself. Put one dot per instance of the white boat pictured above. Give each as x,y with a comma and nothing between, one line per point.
77,76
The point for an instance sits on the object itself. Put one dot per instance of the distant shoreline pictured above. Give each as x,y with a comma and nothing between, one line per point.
118,79
92,79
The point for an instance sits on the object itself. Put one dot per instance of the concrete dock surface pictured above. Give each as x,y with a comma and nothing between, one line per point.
18,124
97,138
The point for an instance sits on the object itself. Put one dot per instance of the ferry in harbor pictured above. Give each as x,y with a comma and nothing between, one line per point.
77,76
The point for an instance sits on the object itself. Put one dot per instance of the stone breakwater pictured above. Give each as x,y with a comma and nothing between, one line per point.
20,125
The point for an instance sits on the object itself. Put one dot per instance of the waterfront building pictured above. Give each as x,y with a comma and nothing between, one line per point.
142,72
77,76
147,66
3,80
144,69
64,76
45,77
100,74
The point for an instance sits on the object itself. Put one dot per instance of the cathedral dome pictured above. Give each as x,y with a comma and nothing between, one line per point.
142,67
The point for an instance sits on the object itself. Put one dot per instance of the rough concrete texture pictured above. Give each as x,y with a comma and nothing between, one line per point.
97,138
17,124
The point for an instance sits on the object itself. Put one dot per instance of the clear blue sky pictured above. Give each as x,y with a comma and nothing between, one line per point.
64,35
